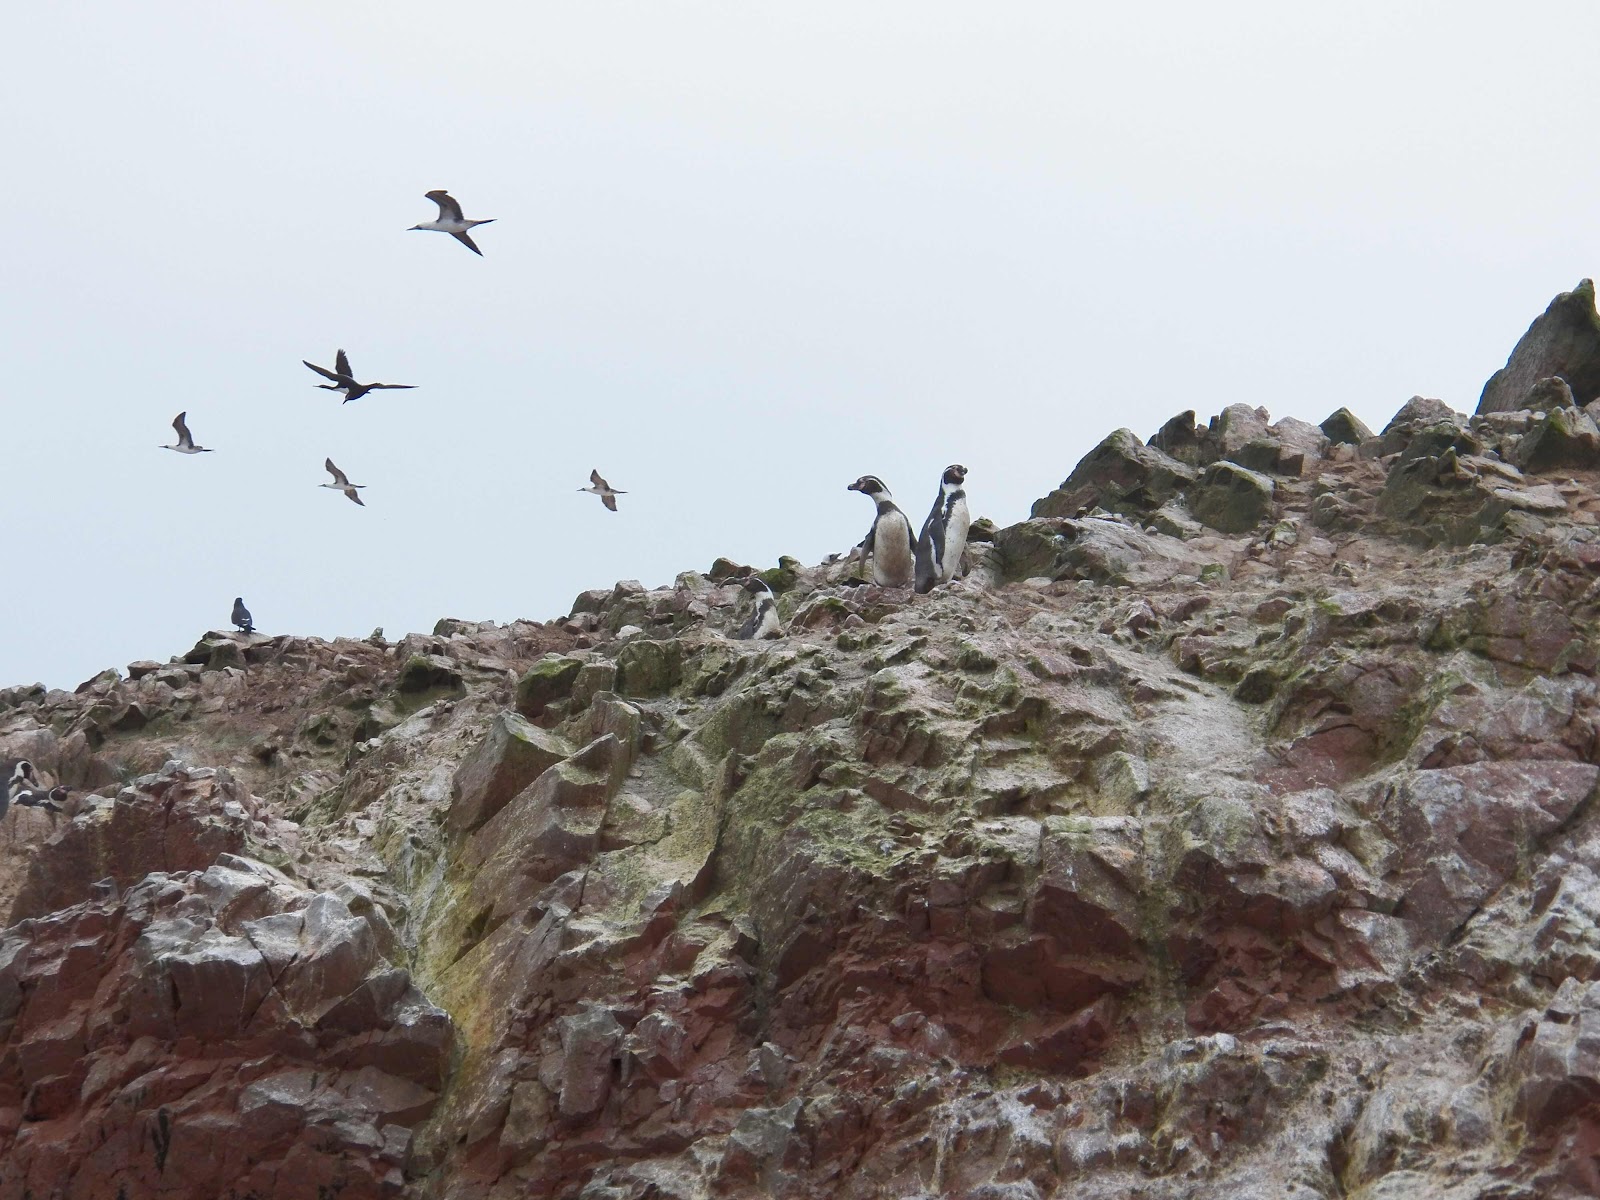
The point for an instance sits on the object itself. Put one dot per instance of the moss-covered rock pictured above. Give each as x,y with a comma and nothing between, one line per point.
1344,426
428,672
1231,498
548,680
1564,340
1565,438
647,668
1031,549
1121,474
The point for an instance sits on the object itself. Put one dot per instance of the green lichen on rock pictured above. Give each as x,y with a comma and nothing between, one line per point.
428,672
548,680
649,668
1230,498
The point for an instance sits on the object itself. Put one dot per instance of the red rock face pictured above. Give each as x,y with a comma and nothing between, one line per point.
1145,860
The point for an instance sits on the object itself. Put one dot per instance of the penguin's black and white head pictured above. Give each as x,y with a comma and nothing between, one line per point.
23,774
757,586
870,485
955,475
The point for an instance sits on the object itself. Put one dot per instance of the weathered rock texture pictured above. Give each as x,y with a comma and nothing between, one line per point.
1229,831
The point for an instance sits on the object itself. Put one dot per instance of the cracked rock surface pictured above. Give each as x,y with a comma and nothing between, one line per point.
1228,831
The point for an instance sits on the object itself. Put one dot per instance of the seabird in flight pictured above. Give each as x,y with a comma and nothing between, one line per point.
599,487
341,483
451,221
185,439
345,383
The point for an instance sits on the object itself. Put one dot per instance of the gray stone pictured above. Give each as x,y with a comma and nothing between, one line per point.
1563,341
1231,498
1345,427
548,680
1121,474
511,756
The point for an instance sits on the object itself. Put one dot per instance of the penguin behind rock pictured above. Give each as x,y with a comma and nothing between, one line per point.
19,776
241,616
763,621
50,801
890,541
944,533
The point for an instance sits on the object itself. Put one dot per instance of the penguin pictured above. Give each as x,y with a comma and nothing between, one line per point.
944,533
890,541
50,801
19,775
763,621
241,616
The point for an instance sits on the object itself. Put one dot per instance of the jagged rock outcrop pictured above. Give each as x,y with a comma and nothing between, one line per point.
1564,342
1229,830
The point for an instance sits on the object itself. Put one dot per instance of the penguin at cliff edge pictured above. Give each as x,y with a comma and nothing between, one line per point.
890,541
763,621
944,533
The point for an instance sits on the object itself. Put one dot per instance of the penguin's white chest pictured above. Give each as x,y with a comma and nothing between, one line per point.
955,540
893,556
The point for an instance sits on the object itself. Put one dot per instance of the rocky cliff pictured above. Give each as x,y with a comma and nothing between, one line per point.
1228,831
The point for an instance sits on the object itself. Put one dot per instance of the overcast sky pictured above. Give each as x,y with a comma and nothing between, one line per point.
743,254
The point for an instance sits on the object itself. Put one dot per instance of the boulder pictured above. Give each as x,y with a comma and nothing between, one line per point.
1566,438
511,756
1563,341
548,680
1345,427
1231,498
1121,474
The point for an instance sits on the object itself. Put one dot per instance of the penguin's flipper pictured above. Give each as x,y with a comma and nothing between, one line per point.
866,542
930,552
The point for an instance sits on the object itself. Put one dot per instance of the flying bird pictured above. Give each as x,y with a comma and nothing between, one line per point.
451,221
345,383
341,483
599,487
241,615
185,439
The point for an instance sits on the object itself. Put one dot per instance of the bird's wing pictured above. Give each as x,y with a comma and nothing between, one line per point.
184,438
448,208
597,481
610,501
338,475
351,492
323,371
391,386
341,364
466,240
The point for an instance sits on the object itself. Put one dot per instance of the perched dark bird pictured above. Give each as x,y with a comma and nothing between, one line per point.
890,541
451,221
599,487
345,383
185,441
944,533
341,483
241,616
763,619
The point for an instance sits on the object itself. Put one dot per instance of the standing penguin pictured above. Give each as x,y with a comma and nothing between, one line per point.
890,540
763,620
944,533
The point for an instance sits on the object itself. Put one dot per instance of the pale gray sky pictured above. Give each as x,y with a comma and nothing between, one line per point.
743,254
